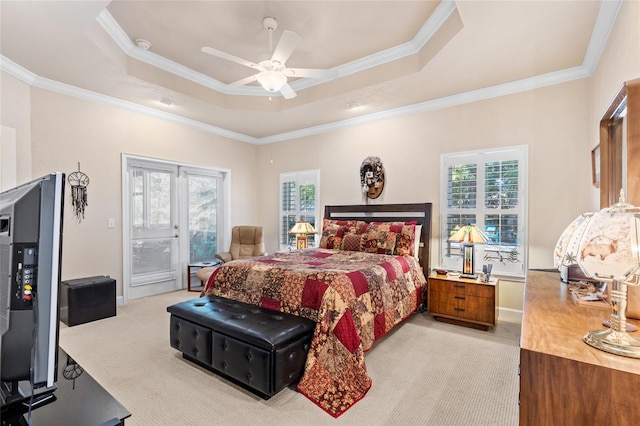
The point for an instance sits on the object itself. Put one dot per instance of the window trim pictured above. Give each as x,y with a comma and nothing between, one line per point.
286,176
481,156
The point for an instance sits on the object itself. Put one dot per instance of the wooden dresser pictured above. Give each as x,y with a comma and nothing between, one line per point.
564,381
463,301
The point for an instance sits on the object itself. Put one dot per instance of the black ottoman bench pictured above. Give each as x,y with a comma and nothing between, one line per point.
260,349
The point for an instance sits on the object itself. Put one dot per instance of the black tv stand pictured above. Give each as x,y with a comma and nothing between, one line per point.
76,399
17,397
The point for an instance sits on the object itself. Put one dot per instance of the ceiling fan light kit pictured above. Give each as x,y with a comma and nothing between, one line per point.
273,72
272,81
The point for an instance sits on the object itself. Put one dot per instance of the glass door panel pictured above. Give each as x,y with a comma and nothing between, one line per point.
154,230
203,194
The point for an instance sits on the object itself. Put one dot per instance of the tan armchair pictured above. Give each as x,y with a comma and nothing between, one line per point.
246,242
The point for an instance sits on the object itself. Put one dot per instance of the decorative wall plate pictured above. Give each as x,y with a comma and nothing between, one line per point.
372,177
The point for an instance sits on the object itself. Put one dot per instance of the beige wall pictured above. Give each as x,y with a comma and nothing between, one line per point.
65,131
15,113
558,123
619,62
550,121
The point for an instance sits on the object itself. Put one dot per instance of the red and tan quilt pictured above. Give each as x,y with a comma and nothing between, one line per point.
355,298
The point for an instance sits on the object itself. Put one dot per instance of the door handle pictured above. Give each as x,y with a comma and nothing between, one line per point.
175,235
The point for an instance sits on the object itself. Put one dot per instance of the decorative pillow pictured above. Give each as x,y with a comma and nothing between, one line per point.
332,238
351,242
356,226
406,231
381,242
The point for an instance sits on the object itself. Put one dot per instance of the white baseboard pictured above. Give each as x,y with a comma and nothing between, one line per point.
119,300
509,315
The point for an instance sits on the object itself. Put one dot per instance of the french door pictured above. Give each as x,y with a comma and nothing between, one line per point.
154,229
174,215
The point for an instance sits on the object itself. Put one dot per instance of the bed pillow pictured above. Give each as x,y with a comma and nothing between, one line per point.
332,238
355,226
380,242
405,232
351,242
416,241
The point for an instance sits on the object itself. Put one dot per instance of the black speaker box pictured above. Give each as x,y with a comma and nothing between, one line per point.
87,299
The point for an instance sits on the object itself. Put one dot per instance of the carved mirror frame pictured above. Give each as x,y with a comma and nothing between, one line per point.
612,143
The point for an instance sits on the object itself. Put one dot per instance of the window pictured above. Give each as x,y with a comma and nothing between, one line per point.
487,189
299,196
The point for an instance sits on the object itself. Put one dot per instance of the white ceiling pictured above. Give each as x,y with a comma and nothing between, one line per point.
386,57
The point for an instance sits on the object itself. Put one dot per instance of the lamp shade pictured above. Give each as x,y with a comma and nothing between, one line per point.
272,81
302,227
469,234
603,244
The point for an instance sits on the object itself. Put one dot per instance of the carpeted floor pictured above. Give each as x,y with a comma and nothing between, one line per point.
424,373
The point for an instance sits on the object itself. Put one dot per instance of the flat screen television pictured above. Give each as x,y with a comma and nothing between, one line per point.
31,217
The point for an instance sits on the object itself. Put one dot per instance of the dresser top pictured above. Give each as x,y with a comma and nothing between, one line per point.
457,278
552,323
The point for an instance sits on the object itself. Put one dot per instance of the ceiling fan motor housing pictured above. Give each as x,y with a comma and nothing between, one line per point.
270,23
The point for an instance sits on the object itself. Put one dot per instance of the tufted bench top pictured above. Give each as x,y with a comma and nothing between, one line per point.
261,327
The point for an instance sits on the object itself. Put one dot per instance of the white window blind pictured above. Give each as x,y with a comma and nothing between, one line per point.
299,199
487,189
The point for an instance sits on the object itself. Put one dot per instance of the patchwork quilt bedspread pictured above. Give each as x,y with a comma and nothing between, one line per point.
355,298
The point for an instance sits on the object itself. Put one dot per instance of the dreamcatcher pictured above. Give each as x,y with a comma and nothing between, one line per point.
72,370
78,182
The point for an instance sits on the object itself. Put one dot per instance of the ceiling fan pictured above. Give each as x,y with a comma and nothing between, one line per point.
273,74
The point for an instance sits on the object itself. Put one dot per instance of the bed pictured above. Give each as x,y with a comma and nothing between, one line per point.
355,293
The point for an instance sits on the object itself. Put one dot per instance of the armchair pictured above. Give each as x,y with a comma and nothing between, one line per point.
246,242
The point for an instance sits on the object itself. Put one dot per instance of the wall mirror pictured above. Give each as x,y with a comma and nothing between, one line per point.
619,148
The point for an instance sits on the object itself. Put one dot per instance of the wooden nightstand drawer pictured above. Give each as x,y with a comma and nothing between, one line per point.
471,308
463,288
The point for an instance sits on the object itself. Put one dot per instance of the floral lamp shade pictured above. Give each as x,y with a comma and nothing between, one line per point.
603,244
606,247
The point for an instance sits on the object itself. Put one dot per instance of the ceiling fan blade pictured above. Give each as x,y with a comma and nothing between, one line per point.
305,72
287,92
229,57
288,41
244,81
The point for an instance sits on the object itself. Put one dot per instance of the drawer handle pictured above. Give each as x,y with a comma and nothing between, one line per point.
458,285
459,297
459,309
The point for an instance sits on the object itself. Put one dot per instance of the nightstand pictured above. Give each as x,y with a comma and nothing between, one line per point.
463,301
199,265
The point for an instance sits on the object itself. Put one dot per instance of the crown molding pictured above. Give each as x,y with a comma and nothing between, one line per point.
33,80
428,29
604,24
435,104
18,71
609,10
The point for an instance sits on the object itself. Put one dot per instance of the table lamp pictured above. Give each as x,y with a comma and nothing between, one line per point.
605,247
302,229
468,235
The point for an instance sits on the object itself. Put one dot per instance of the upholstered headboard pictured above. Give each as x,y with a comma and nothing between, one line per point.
420,212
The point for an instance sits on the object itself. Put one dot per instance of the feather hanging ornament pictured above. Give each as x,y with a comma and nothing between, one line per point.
78,182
